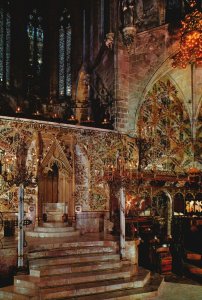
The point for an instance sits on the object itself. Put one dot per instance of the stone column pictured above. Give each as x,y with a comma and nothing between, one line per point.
122,221
60,187
20,226
131,253
37,210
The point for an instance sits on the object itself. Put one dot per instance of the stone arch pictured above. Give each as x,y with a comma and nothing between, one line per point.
169,208
165,72
178,203
164,122
144,83
189,202
56,155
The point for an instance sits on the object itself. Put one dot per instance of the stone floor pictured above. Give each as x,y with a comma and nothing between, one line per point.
11,242
179,291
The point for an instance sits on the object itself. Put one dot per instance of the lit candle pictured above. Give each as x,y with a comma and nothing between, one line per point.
18,110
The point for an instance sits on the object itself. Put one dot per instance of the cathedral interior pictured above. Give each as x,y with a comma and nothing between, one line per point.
100,149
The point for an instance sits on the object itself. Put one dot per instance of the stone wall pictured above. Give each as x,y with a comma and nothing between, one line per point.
150,59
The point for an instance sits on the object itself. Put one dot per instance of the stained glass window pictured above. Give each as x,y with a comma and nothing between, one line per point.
35,38
5,37
65,35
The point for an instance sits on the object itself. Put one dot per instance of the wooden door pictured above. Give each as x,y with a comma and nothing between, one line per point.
49,186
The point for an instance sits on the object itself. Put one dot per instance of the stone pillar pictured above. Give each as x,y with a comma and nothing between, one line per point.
82,95
70,196
122,221
61,187
131,253
37,210
20,226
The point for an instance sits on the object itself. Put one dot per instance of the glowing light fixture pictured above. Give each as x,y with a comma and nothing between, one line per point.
191,53
191,39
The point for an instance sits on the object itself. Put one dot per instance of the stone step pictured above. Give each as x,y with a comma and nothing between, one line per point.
35,234
18,293
90,288
147,292
70,251
52,281
77,267
51,244
55,224
94,257
54,210
54,229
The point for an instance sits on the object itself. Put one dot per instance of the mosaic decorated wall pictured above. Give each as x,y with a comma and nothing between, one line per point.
165,129
26,145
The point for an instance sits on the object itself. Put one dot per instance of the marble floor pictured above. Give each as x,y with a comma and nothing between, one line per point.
11,242
179,291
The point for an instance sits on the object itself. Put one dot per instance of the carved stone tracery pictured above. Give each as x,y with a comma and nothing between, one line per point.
56,155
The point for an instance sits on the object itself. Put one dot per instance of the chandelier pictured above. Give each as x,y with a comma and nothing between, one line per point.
191,40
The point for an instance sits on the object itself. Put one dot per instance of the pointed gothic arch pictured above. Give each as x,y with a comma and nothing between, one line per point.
56,156
56,179
164,123
163,208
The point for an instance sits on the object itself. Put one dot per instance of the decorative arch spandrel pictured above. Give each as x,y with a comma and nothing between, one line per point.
164,130
56,156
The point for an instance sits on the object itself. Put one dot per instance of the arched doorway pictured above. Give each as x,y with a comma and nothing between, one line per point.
198,203
179,204
51,185
56,182
189,201
162,212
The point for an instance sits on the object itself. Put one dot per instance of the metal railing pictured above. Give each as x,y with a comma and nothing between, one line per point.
8,223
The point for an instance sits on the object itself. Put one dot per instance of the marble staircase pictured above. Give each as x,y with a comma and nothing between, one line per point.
53,229
79,267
